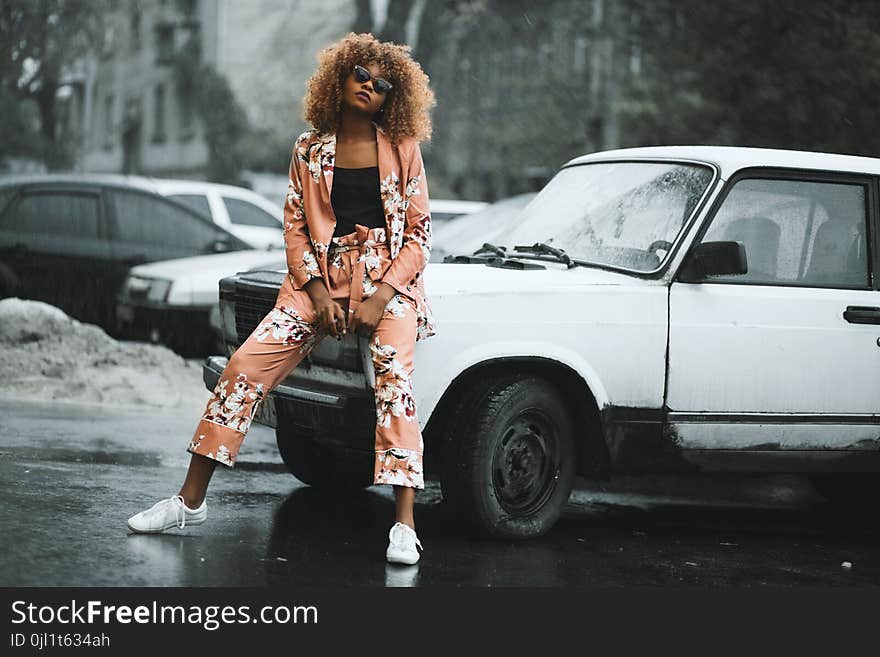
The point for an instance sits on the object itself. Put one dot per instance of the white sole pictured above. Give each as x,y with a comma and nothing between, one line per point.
393,557
159,530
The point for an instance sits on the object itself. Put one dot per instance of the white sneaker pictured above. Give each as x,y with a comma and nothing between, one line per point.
167,514
402,541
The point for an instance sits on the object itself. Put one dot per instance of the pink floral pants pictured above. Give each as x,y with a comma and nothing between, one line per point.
286,335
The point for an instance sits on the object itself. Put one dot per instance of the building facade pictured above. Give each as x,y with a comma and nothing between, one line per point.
129,114
520,87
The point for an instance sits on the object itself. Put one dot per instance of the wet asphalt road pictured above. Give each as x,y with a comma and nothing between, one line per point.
70,475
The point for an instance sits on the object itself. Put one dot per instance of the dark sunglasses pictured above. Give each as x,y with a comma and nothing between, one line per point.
379,84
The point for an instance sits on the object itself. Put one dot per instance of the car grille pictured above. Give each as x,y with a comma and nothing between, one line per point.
250,308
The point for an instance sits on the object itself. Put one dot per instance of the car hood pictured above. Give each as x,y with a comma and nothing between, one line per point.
448,279
442,279
213,266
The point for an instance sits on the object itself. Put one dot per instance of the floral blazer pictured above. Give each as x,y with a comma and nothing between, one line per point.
309,221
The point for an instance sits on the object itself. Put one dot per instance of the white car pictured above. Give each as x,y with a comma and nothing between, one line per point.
176,302
675,309
443,210
467,233
244,213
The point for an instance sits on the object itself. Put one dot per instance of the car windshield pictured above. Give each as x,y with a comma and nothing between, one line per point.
617,214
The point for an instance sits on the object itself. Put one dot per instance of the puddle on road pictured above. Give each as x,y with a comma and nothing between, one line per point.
80,456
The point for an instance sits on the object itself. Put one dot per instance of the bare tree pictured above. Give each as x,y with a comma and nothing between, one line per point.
37,40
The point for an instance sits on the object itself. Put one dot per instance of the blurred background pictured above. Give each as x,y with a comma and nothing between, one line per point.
212,89
145,144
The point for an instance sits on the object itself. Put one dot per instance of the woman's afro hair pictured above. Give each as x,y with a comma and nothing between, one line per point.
406,110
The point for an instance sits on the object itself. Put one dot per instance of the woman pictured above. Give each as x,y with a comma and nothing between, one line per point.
357,232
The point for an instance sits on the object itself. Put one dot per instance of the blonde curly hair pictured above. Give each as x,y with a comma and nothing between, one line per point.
406,111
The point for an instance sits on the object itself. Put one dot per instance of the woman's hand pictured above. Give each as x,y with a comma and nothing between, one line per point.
366,318
328,313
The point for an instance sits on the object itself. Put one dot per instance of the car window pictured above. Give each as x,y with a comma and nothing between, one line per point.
54,214
796,232
243,213
146,219
198,202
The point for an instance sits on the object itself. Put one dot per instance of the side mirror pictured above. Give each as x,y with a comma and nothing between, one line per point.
714,259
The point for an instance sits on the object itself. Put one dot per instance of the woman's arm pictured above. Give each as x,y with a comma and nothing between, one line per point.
302,264
416,248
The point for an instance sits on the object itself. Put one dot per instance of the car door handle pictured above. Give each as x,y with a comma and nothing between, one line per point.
862,314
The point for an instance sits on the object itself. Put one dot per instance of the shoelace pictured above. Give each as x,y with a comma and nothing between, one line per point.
179,510
405,530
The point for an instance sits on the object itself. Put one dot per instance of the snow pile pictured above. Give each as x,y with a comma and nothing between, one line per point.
47,355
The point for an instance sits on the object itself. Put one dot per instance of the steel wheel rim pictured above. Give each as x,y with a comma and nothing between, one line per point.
525,463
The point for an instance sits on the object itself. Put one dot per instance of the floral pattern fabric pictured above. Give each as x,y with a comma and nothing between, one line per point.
288,333
309,220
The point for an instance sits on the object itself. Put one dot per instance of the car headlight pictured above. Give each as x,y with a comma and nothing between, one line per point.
136,286
159,290
142,288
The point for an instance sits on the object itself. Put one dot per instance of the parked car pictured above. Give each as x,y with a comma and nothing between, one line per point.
443,210
673,309
177,302
69,240
467,233
244,213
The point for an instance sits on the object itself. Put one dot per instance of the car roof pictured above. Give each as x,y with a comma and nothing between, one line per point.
176,185
159,185
104,179
730,159
108,180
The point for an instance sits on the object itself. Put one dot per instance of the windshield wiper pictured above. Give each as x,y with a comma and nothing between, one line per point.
491,248
546,249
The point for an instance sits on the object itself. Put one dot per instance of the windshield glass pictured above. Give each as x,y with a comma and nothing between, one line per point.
621,214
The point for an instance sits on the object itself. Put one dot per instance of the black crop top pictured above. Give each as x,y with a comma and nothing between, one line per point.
356,199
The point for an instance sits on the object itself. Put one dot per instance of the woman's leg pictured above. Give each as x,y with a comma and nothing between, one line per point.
404,499
278,344
399,444
196,483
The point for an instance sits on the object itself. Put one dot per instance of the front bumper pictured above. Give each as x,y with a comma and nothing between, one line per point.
327,413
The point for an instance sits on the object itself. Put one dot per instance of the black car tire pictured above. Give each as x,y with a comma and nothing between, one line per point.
320,466
510,457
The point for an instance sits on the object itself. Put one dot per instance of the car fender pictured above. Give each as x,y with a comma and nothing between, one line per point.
444,370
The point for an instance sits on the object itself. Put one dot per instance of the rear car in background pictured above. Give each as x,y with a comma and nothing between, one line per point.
176,302
71,239
443,210
244,213
467,233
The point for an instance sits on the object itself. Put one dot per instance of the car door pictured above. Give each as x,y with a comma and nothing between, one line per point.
780,358
54,240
